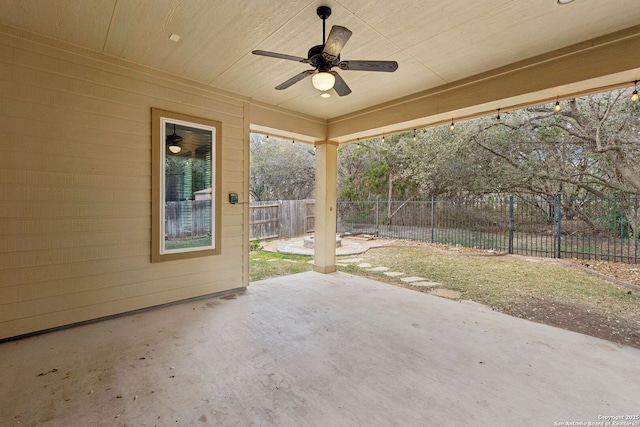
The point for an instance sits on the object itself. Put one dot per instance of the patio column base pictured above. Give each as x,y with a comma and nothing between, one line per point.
325,269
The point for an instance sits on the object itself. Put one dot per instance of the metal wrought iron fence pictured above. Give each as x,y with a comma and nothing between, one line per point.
585,228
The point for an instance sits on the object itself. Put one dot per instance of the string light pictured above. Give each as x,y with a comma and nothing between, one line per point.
557,107
634,95
498,116
293,142
415,138
267,138
358,144
452,126
383,138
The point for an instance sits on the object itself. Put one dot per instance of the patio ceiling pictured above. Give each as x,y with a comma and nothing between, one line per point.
435,42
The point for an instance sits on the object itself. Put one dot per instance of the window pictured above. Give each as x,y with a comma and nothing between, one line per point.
185,187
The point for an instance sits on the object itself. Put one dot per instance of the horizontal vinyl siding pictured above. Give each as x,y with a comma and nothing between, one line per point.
75,188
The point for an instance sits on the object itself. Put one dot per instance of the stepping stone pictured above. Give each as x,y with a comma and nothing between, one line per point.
350,260
364,265
426,284
289,260
446,293
412,279
393,273
378,269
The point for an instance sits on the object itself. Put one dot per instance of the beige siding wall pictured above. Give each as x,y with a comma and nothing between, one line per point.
75,188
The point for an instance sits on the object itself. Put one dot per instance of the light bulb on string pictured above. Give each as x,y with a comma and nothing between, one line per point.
382,138
452,126
358,144
634,95
498,116
557,107
415,138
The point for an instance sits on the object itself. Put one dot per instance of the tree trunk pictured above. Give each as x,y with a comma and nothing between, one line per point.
618,160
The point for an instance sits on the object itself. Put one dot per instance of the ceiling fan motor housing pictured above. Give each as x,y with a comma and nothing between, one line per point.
317,60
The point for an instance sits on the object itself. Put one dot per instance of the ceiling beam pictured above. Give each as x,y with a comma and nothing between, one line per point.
275,121
601,63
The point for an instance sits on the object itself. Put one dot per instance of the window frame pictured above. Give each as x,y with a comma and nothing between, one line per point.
159,118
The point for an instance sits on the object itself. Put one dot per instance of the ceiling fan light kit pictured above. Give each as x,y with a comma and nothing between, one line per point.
173,141
323,81
326,56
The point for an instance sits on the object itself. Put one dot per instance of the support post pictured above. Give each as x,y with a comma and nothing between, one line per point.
433,216
510,224
558,221
326,199
377,216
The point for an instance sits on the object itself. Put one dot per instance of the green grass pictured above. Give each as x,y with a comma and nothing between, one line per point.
498,281
187,243
264,265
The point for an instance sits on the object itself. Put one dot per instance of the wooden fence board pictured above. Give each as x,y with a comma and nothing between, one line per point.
281,219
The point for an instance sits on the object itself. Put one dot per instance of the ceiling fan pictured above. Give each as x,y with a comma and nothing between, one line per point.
325,56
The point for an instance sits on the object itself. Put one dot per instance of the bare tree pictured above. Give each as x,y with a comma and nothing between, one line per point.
281,170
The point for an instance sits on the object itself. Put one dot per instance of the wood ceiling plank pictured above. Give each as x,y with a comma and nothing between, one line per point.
433,41
214,35
407,23
70,21
518,31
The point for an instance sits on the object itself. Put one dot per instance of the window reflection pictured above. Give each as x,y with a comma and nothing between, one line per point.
188,183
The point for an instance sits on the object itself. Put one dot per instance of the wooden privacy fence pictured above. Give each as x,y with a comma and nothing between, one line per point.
187,219
281,219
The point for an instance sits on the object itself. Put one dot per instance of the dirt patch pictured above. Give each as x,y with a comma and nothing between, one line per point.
577,318
623,272
450,249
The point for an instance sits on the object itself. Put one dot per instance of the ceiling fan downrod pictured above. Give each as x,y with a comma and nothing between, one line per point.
324,12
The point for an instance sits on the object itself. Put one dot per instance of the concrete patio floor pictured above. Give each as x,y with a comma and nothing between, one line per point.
317,350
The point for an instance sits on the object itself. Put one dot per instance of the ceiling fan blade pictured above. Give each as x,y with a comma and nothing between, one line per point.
280,56
387,66
340,86
338,37
295,79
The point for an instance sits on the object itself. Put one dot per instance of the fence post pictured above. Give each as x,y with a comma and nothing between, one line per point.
558,220
377,217
432,219
510,224
635,230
